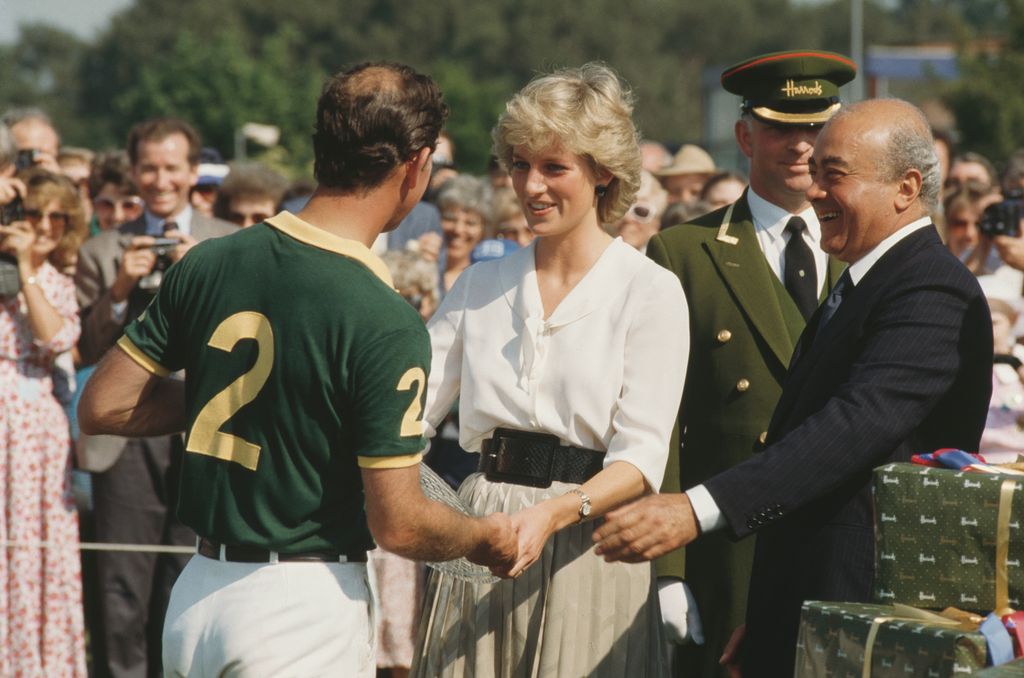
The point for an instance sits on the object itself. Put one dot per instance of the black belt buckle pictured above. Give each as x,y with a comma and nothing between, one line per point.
520,457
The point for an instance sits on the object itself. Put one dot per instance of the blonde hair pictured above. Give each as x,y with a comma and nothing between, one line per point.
586,110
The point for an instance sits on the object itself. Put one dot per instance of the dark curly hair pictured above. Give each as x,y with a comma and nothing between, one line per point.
372,118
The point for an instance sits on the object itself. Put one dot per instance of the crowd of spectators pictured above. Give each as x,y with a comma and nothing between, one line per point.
83,238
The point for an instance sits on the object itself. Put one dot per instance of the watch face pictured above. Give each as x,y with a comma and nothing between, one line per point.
585,510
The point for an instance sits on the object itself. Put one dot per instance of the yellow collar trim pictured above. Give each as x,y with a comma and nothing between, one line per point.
303,231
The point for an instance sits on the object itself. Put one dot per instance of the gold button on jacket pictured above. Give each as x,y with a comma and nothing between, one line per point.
724,336
742,385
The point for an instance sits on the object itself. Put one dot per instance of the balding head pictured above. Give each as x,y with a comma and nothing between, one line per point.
371,119
875,171
906,136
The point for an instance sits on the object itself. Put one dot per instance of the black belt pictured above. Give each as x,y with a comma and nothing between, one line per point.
254,554
536,459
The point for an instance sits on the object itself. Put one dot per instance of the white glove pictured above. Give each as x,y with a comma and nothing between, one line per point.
679,612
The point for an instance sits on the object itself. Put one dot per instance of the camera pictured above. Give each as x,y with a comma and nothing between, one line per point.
10,281
1002,218
25,159
162,247
12,211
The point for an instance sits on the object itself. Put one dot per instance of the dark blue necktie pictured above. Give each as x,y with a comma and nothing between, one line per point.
835,298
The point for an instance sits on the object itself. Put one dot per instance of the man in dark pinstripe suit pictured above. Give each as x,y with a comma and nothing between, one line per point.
896,361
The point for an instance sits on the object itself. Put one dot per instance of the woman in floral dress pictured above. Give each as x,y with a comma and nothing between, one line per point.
41,628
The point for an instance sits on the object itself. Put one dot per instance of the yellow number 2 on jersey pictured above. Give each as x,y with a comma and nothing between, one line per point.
205,437
412,424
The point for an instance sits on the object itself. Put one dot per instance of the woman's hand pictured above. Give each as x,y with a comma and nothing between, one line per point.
533,526
17,239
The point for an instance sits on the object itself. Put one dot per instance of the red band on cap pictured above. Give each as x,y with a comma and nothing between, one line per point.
788,55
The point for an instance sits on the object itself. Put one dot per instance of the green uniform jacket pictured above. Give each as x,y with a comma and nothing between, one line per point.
743,329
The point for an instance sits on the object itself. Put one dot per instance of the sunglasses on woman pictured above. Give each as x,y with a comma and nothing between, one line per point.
34,217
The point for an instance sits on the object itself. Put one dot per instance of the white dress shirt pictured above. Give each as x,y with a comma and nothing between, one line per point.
770,225
605,371
709,516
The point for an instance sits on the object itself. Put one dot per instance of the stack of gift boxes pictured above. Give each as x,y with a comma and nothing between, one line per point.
949,578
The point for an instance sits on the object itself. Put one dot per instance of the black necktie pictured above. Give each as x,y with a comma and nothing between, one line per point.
170,226
801,277
835,298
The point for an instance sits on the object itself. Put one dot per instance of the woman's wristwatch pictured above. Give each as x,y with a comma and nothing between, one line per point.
584,503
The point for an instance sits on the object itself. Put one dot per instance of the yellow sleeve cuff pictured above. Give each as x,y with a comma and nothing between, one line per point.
390,462
141,358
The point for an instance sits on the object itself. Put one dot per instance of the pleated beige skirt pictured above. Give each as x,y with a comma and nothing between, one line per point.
569,615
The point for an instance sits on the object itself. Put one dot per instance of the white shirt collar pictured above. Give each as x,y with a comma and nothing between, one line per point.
155,224
859,268
772,219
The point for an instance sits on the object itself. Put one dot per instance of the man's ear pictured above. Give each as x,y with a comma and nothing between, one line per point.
418,167
908,189
743,137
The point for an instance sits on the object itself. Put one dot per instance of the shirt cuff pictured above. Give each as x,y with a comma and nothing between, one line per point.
709,516
117,311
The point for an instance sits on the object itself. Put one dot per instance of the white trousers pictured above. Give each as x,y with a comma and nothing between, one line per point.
280,619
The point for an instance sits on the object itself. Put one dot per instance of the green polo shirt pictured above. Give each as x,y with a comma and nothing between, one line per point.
302,365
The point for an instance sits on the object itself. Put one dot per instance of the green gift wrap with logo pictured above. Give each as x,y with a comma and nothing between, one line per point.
858,640
947,538
1015,668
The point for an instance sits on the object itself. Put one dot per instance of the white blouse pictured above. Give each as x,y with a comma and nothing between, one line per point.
604,372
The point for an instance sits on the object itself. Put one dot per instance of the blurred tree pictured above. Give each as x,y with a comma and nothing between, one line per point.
987,103
219,63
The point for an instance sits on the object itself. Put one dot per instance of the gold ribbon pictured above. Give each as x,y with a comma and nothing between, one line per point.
950,618
1003,547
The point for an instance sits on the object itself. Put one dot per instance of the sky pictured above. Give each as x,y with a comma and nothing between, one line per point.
84,18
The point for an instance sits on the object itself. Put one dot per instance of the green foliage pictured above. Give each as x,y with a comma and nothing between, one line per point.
988,106
221,63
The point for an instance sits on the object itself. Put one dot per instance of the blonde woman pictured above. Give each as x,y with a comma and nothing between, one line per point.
569,356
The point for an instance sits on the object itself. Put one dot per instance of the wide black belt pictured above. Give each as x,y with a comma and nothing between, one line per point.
536,459
238,553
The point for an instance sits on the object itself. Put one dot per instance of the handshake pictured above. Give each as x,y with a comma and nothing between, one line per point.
642,530
510,544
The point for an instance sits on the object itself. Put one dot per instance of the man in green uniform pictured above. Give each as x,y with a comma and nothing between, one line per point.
753,273
302,405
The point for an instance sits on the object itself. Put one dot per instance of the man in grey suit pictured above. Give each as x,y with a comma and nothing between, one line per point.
135,485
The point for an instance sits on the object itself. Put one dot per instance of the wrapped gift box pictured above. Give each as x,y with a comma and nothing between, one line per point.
1014,668
836,639
936,537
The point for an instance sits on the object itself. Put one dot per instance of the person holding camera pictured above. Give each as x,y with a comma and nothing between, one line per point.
40,590
135,481
983,230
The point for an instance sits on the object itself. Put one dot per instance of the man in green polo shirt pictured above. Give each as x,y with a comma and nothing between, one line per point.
302,404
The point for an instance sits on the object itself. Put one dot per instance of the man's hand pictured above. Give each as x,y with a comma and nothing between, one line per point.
731,656
498,546
137,262
1011,250
646,529
187,243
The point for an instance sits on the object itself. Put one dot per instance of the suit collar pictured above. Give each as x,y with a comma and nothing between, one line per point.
741,264
891,261
859,269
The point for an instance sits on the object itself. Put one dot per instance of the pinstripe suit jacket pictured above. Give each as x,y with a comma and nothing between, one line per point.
904,366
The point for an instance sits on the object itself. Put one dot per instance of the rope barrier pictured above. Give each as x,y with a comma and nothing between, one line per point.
97,546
